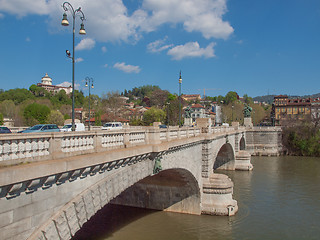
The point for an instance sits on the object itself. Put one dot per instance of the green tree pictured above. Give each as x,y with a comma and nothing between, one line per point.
153,115
136,122
97,118
36,113
56,117
230,97
8,108
78,98
1,119
38,91
61,98
247,99
17,95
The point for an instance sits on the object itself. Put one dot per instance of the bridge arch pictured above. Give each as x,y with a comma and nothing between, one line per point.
242,143
224,158
174,190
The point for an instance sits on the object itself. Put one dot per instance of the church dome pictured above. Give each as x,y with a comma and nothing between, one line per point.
46,80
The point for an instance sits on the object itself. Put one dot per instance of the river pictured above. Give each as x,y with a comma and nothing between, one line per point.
279,199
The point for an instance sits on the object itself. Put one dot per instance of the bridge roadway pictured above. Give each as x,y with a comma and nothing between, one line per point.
51,184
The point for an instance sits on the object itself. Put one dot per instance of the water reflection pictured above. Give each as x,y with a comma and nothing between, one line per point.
279,199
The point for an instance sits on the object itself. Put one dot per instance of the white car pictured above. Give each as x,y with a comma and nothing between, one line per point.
112,126
67,127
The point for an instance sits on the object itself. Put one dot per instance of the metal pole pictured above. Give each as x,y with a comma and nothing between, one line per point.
68,7
89,106
73,125
180,81
90,80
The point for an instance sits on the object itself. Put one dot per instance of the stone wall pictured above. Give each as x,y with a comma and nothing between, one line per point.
264,141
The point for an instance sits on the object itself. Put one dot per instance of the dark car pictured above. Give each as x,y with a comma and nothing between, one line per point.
4,129
162,126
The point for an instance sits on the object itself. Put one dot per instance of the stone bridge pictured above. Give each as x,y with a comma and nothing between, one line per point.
51,184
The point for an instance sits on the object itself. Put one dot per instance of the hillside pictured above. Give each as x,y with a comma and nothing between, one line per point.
269,98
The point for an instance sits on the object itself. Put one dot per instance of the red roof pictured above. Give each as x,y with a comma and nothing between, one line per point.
197,106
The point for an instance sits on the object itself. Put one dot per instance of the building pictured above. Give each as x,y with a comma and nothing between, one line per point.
286,108
46,83
191,97
198,111
315,108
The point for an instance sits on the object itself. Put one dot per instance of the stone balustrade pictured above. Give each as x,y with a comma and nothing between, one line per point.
31,147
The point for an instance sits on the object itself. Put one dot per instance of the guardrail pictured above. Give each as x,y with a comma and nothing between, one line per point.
31,147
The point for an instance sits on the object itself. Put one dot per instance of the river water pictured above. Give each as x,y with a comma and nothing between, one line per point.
279,199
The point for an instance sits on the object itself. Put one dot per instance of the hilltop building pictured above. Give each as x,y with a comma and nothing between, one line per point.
46,83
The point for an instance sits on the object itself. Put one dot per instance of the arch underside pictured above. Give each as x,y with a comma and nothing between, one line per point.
224,158
171,190
174,190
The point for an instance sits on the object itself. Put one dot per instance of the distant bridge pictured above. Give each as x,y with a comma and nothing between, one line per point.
51,184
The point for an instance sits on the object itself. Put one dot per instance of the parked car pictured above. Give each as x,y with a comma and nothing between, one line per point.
112,126
162,126
4,129
78,127
42,128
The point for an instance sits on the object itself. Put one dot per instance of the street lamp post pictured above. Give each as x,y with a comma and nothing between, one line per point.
68,7
180,81
90,81
168,119
232,113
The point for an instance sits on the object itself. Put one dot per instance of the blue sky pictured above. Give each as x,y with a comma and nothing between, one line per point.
252,47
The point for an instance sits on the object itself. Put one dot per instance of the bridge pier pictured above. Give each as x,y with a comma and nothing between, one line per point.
243,161
217,196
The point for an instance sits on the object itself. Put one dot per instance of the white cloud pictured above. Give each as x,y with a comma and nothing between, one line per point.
110,20
191,50
28,39
106,65
79,60
69,84
104,49
65,84
204,16
127,68
86,44
22,8
158,45
1,15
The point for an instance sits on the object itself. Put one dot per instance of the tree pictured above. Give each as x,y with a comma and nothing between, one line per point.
38,91
66,110
56,117
78,98
158,98
230,97
17,95
1,119
61,98
112,103
98,118
153,115
8,108
36,113
247,99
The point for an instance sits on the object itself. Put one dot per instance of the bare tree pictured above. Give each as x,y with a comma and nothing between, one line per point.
112,104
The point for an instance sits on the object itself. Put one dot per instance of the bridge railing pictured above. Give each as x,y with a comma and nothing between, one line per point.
31,147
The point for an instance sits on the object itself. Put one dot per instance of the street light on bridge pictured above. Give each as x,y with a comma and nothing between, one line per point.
180,81
68,7
90,85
